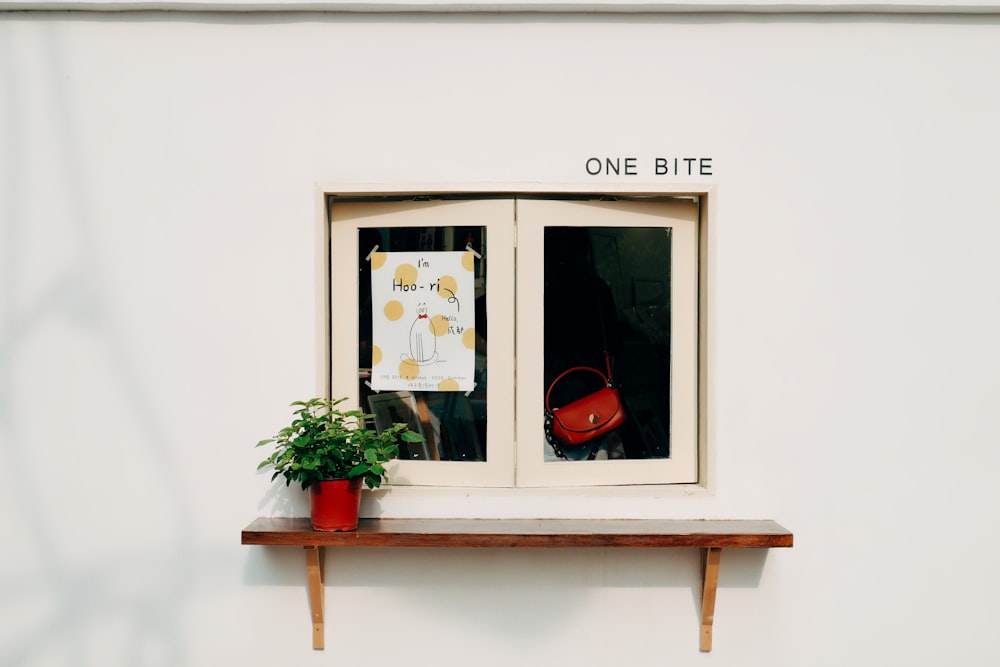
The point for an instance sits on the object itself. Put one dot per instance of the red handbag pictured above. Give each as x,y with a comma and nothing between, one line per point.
585,418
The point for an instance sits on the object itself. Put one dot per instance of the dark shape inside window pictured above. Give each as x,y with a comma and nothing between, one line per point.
607,307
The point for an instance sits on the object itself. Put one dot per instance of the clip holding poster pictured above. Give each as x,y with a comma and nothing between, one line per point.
423,320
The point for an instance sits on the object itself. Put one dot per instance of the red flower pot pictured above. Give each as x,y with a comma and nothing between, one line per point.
334,504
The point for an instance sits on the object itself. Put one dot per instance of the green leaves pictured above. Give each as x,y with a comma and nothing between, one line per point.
323,442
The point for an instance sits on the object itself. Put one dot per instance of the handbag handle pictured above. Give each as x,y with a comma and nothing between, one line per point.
548,394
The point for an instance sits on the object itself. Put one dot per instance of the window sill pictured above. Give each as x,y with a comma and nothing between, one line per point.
591,502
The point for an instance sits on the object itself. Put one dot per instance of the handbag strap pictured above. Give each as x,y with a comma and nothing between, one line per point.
608,379
604,343
548,394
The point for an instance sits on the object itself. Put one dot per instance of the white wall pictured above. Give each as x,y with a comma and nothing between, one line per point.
157,291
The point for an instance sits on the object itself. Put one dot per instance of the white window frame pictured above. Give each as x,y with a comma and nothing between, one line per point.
533,217
423,500
490,213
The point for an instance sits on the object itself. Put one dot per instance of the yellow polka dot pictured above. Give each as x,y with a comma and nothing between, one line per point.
393,310
406,274
448,384
448,287
439,325
378,260
469,338
468,261
409,369
376,355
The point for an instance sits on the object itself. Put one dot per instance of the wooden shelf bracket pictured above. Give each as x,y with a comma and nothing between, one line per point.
315,558
710,583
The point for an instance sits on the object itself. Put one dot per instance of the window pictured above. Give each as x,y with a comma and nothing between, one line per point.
568,292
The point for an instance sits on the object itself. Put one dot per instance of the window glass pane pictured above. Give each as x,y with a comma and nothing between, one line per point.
453,423
607,315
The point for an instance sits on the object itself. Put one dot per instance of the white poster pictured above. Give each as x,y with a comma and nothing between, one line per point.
423,321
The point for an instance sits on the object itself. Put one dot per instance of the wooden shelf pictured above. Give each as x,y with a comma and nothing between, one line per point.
710,536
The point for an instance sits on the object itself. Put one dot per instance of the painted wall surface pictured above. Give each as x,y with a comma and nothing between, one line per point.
158,179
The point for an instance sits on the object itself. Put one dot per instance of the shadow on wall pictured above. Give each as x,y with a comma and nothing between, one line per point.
74,589
528,593
82,584
283,500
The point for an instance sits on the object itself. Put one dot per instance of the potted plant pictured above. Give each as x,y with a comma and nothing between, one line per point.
330,452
